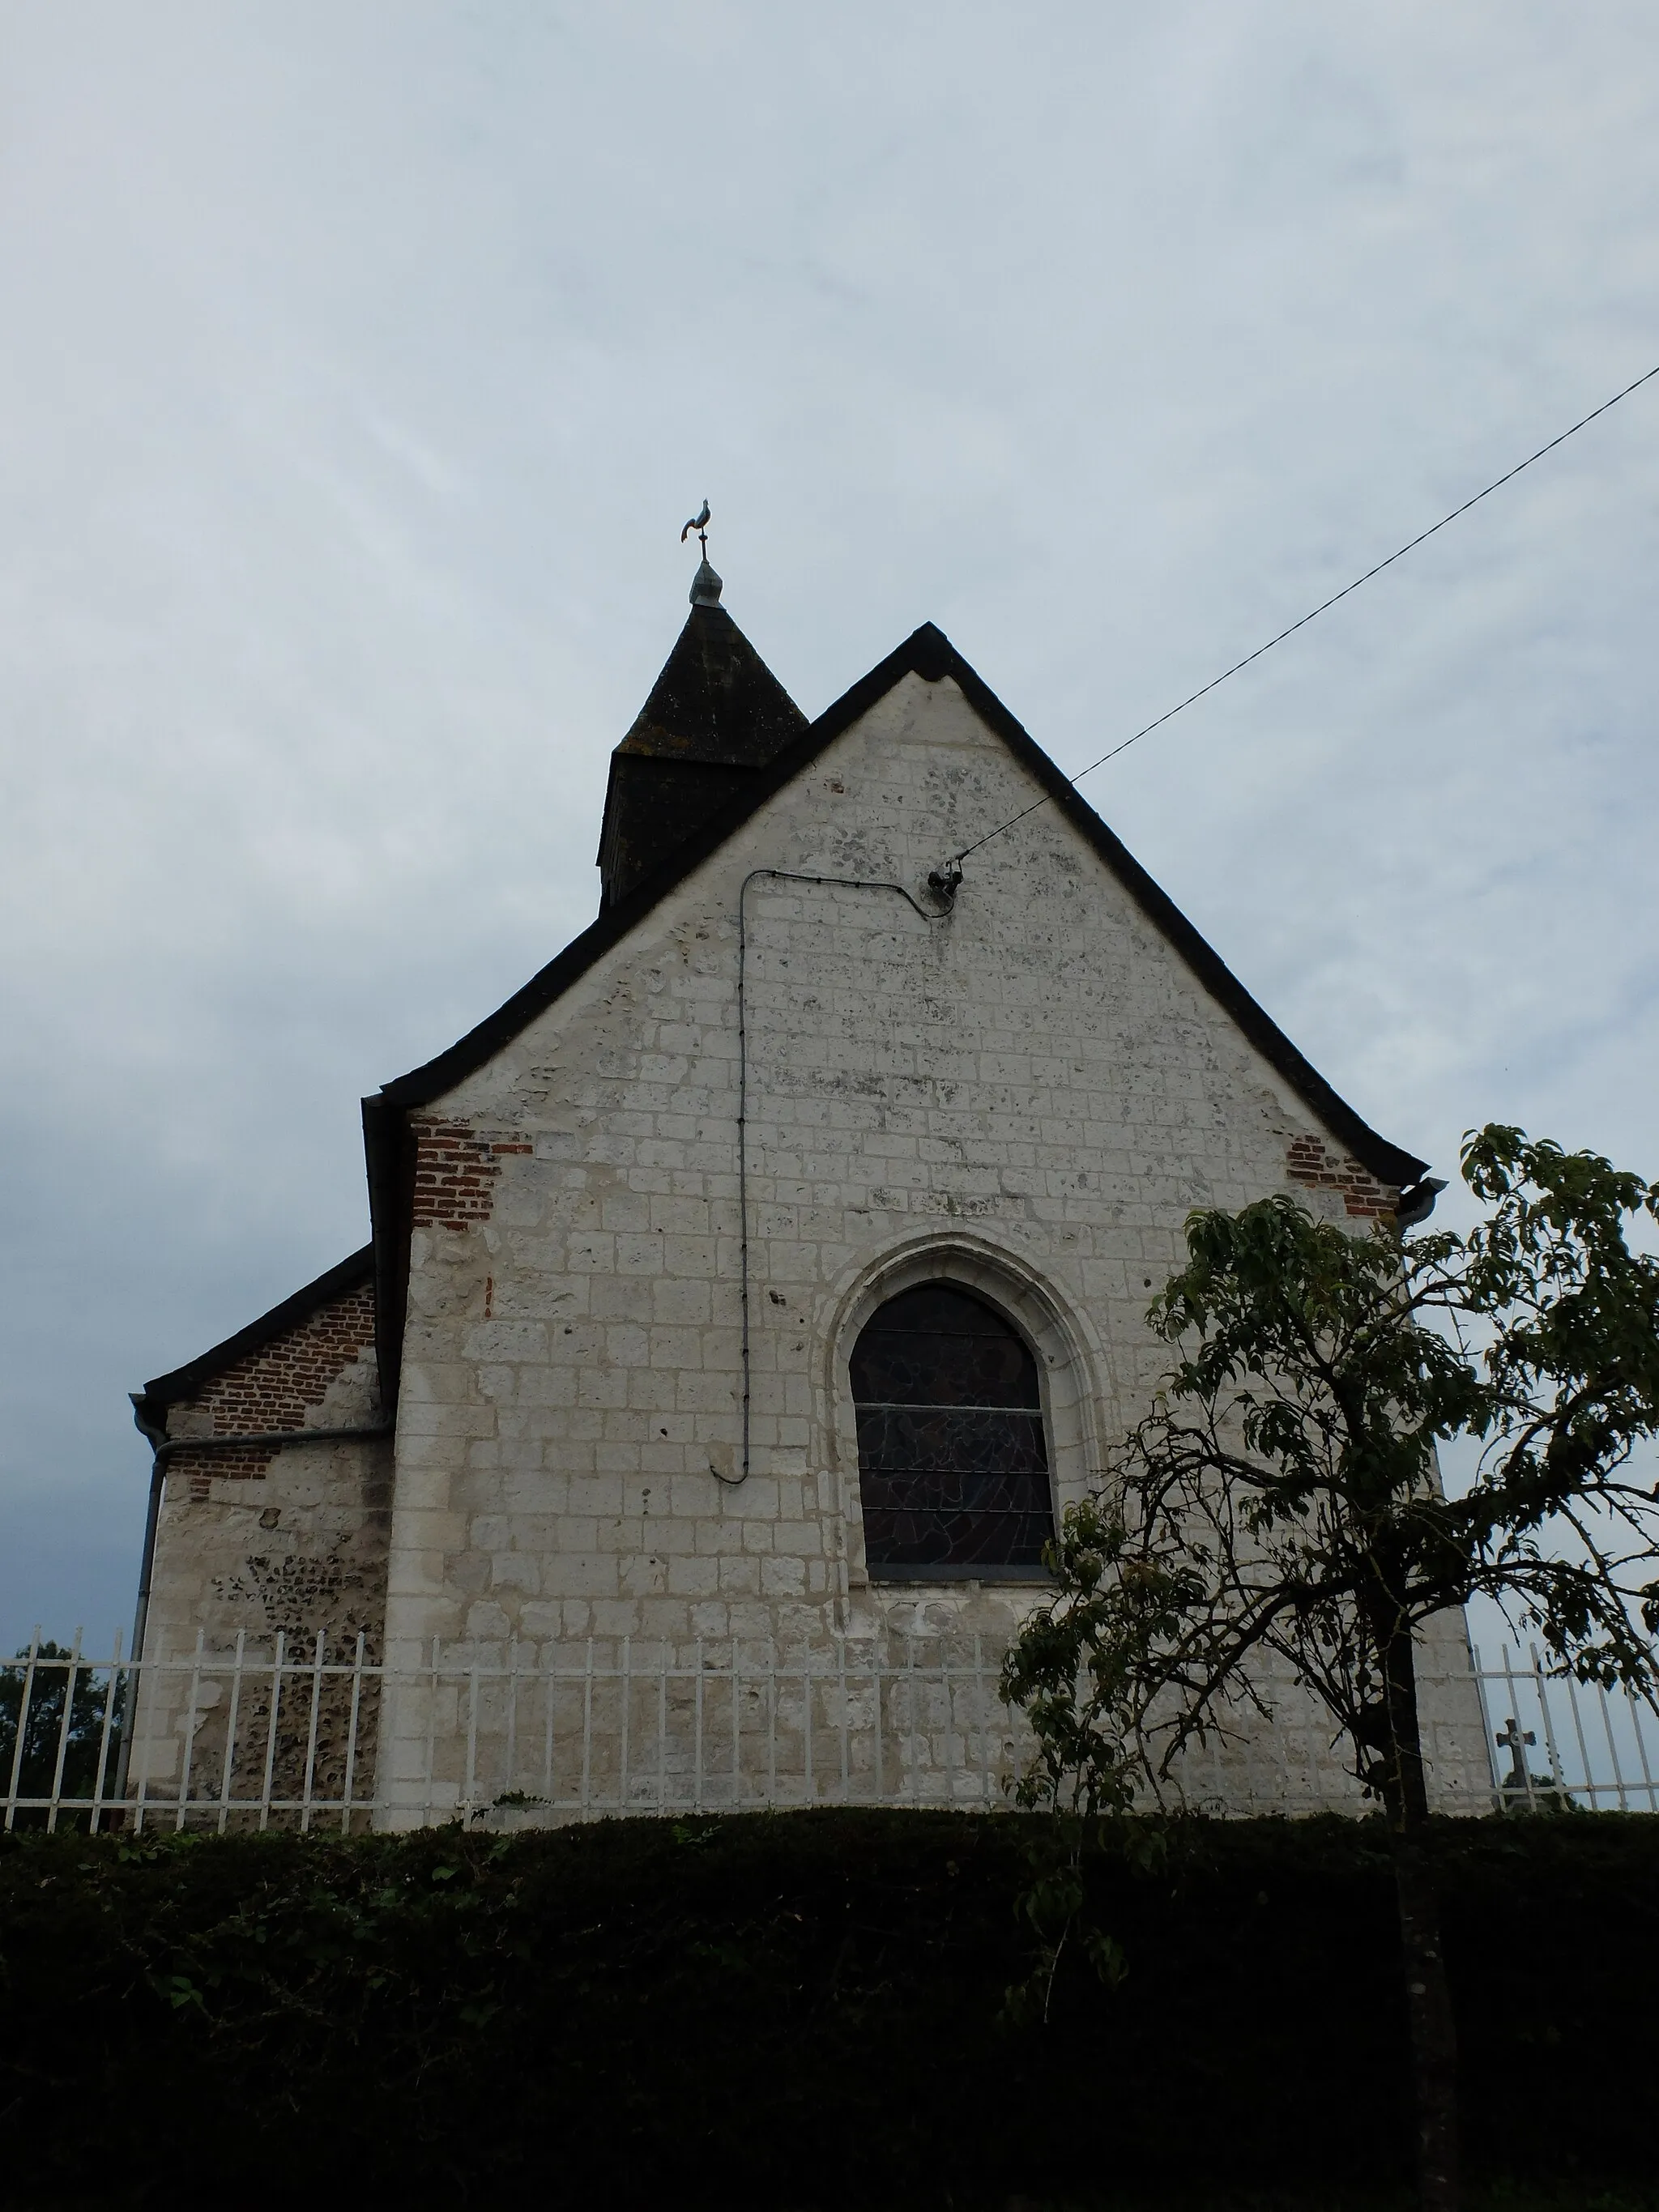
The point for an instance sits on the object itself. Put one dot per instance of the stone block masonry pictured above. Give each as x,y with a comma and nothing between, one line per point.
1028,1098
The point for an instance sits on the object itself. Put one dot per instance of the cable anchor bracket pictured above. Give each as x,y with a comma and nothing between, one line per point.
944,881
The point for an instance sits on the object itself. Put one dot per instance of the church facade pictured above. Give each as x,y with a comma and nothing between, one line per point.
772,1268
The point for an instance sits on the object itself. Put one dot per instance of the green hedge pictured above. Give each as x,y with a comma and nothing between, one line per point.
797,2011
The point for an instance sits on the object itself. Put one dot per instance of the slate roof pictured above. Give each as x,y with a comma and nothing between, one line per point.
715,717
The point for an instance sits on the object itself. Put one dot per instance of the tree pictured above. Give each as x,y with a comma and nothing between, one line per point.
58,1678
1283,1502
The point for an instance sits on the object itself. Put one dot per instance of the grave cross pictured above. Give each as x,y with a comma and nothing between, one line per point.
1515,1742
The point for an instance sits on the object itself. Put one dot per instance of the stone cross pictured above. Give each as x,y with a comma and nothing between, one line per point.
1515,1742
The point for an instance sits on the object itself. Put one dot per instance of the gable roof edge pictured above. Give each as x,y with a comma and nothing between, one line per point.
1390,1163
470,1051
929,654
165,1390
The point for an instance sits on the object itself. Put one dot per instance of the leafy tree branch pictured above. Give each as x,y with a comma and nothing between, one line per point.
1279,1513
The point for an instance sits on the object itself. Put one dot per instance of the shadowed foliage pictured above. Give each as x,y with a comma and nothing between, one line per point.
803,2010
55,1678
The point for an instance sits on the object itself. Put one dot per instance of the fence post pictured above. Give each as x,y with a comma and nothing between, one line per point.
696,1755
910,1687
662,1729
71,1672
1613,1748
984,1723
840,1692
102,1774
230,1729
471,1739
1541,1689
736,1729
271,1737
587,1730
549,1680
510,1779
24,1698
189,1735
771,1724
350,1782
879,1651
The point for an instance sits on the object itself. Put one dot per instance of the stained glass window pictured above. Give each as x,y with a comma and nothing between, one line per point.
952,1463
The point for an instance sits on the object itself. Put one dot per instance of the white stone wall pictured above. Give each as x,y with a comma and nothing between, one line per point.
1030,1095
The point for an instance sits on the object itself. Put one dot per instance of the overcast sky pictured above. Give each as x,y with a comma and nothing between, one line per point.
359,363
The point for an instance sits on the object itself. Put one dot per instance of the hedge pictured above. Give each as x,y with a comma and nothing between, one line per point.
799,2011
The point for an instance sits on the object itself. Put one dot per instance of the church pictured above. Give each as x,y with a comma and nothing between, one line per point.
770,1271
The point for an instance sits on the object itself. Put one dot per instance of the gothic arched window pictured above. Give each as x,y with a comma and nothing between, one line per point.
953,1467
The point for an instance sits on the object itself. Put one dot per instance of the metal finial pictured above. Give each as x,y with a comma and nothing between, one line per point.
705,585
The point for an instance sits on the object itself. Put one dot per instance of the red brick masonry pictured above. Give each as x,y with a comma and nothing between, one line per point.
455,1172
278,1386
1310,1164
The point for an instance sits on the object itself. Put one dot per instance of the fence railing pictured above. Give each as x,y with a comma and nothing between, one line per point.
275,1735
1556,1743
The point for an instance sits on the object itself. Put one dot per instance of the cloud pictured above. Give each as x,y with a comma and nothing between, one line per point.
363,362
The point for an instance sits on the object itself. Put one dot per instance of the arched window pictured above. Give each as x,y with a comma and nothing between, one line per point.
952,1463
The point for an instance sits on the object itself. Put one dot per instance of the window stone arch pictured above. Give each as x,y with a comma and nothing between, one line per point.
953,1445
1065,1352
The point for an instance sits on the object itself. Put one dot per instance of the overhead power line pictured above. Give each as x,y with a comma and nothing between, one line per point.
1410,545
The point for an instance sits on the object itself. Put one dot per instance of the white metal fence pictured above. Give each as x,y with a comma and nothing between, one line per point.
276,1734
1555,1743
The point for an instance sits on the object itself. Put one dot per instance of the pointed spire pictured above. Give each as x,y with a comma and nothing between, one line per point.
716,701
716,716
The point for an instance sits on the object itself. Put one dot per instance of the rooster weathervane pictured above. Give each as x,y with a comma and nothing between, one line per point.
705,585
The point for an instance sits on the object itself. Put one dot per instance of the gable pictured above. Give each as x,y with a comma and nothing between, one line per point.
927,656
270,1375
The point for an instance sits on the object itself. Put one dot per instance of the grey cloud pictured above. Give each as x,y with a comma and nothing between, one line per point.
364,360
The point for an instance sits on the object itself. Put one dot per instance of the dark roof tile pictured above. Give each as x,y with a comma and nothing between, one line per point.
716,715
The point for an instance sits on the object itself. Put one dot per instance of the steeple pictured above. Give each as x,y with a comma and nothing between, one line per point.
715,717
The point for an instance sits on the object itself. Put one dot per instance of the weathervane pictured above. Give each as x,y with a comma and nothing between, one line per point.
705,585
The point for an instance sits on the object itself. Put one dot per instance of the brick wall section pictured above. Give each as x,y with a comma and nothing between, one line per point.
276,1386
455,1172
1312,1164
